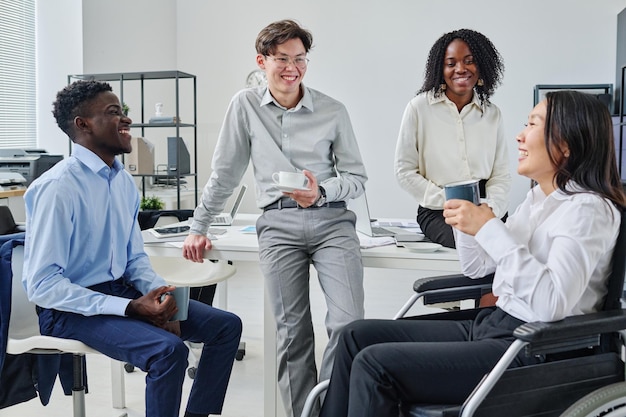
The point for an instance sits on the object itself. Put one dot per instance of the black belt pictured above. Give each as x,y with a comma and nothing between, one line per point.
285,203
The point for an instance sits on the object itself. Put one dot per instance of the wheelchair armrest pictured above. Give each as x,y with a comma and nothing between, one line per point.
572,332
450,281
446,288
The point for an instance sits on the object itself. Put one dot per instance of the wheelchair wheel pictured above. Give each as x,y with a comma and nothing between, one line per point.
609,401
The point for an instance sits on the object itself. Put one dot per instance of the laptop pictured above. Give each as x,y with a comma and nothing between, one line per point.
363,220
226,219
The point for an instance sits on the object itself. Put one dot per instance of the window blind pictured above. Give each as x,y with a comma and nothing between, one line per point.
18,119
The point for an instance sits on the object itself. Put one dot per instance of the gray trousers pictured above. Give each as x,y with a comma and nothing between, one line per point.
289,241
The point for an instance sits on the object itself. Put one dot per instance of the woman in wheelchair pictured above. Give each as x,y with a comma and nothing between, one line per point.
551,260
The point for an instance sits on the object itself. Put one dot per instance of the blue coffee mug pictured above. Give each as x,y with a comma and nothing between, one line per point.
463,190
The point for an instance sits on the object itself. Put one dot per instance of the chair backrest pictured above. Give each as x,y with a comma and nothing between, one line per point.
615,284
149,218
24,322
7,222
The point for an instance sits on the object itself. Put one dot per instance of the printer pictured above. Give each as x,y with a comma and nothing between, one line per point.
29,163
10,181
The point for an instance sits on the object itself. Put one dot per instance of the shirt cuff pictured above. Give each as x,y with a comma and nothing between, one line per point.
495,239
115,306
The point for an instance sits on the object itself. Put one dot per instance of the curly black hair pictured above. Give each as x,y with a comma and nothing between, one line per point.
70,102
490,63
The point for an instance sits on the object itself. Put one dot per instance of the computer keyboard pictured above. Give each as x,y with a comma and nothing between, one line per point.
377,230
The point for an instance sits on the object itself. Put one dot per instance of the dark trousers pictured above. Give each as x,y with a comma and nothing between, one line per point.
161,354
434,226
380,364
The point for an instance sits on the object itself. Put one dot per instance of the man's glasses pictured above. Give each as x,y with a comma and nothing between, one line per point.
284,61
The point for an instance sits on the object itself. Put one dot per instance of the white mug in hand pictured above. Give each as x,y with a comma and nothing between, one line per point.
290,179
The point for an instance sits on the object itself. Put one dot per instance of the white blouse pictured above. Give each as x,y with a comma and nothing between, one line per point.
438,145
552,257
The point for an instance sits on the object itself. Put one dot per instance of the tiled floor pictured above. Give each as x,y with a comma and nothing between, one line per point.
386,291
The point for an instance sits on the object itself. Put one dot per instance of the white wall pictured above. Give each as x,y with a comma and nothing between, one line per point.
370,54
59,53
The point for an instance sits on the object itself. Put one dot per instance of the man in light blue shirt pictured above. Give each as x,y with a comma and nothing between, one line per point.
289,127
86,269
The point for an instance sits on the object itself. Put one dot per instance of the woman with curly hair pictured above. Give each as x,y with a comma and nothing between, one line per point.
451,131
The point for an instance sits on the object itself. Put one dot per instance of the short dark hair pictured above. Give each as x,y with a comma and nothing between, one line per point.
488,59
70,102
583,123
280,32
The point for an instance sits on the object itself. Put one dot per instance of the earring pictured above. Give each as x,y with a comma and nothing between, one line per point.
443,87
480,82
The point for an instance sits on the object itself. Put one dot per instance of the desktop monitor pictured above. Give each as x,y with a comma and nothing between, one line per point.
619,130
178,161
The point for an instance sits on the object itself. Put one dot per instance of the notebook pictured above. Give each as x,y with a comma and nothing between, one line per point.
363,220
226,219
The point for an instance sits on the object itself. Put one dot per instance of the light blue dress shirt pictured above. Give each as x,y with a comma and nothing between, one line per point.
81,230
315,135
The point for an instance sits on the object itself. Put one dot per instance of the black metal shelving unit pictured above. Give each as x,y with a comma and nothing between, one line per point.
178,77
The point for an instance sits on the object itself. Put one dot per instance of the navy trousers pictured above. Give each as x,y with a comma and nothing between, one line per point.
161,354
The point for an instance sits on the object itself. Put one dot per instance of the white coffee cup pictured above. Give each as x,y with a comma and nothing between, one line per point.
290,179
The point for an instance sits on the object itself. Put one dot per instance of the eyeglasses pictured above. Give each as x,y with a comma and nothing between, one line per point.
284,61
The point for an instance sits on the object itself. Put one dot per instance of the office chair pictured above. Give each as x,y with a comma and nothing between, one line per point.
7,222
205,293
583,356
24,335
181,272
184,273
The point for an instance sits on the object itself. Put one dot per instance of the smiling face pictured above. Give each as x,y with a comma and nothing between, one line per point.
534,161
284,81
104,129
460,72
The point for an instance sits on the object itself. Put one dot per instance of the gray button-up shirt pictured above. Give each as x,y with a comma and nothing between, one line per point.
315,135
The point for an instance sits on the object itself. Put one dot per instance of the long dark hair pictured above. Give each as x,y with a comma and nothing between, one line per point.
583,123
487,57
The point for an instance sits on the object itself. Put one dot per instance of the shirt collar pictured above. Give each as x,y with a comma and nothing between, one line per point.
557,194
571,186
95,163
432,99
305,101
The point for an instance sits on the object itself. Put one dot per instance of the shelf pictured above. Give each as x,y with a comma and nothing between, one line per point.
139,125
164,175
130,76
142,79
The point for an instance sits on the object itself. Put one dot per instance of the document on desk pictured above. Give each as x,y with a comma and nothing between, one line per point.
148,237
407,224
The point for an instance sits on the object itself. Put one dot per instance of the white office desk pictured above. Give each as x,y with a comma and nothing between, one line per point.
239,247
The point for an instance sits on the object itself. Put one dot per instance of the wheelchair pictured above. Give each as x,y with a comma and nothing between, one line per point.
584,371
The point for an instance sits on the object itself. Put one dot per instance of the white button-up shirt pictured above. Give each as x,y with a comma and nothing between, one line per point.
552,257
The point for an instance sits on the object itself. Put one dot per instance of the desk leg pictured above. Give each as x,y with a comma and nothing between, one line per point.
222,295
272,403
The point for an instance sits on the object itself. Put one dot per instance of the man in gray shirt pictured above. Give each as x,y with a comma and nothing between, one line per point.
289,127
